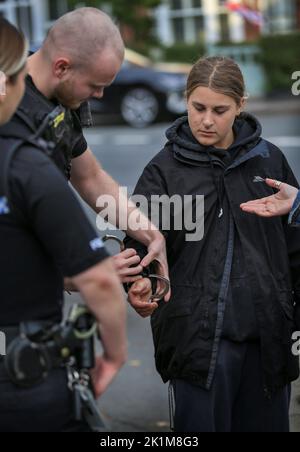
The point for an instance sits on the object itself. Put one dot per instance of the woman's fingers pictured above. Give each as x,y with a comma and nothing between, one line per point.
275,184
142,287
253,206
147,311
259,210
255,202
139,298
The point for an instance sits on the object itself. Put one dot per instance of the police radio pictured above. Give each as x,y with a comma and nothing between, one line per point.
53,127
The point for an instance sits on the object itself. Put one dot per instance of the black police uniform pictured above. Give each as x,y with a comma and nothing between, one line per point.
44,236
30,115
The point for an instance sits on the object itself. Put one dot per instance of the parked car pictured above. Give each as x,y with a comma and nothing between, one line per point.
143,91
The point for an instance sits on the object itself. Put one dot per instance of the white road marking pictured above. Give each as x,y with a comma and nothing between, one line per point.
94,140
117,140
132,140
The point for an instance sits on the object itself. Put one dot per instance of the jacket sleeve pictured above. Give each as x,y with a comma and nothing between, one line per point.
294,219
151,183
293,243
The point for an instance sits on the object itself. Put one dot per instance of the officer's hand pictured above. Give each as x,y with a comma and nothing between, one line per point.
139,296
276,205
123,263
103,374
157,252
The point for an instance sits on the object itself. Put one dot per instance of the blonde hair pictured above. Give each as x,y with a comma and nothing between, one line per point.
13,49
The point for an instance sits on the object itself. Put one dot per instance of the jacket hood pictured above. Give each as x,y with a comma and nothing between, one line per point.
247,130
188,150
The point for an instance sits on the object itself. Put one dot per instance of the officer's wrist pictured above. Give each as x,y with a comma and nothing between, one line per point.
151,236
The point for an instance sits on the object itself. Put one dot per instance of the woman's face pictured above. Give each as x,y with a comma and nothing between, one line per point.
14,93
211,117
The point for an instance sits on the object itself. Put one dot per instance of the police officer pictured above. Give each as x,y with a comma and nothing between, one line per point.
80,57
44,235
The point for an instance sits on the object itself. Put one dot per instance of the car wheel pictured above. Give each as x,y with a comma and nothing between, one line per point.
140,107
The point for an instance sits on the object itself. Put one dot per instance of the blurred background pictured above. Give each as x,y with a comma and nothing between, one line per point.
163,39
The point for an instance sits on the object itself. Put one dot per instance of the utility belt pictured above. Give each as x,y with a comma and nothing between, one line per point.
12,333
34,349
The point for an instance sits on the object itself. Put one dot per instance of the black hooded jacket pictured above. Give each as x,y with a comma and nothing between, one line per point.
242,279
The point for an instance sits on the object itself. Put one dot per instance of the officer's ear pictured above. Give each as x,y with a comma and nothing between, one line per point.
61,67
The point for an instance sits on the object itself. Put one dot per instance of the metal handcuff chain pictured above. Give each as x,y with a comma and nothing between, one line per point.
74,316
153,277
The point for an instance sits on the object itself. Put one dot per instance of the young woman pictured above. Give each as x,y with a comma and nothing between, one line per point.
287,200
224,339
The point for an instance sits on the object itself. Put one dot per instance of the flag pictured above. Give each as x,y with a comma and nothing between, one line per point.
252,16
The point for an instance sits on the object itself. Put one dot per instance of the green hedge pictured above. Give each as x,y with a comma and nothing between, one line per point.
178,53
280,58
183,53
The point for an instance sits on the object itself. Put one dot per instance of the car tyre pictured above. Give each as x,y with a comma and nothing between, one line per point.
140,107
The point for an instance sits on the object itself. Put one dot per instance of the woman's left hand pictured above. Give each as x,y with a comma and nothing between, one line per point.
139,297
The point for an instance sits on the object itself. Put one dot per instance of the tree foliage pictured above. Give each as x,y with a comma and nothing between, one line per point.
135,14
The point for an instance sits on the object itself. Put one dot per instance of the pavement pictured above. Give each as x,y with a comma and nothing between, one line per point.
274,106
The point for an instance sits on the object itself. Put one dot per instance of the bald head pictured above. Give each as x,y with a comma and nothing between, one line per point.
80,57
82,35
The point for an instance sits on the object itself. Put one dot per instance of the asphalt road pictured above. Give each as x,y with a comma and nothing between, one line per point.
137,401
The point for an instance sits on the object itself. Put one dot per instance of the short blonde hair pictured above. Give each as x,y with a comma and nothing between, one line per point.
13,49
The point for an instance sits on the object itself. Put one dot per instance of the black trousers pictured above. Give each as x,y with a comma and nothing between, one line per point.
236,401
44,408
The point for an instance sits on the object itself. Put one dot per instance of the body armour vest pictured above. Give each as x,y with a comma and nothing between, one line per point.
39,118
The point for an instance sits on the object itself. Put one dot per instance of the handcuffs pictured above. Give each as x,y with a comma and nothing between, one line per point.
157,296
